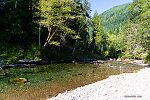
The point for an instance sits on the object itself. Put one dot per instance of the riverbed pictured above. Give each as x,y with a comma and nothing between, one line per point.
46,81
128,86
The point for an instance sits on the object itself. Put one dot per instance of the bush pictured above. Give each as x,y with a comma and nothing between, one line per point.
33,53
148,58
13,54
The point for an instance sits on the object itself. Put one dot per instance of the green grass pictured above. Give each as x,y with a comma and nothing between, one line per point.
48,80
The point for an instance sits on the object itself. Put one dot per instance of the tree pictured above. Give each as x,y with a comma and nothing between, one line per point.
65,21
139,14
54,16
97,33
81,9
132,38
115,44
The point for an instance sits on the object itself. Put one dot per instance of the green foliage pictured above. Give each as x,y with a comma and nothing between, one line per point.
115,44
148,58
33,53
127,27
139,15
114,18
59,23
17,30
97,37
66,24
97,30
113,22
132,39
12,55
63,29
53,16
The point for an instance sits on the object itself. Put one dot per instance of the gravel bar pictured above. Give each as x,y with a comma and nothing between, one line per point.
127,86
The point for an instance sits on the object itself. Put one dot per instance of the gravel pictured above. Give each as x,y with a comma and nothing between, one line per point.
127,86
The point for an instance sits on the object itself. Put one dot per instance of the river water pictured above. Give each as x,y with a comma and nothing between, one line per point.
45,81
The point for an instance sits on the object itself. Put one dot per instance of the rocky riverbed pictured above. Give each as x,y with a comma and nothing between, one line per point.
127,86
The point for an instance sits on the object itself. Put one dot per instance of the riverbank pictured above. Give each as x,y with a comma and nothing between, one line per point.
127,86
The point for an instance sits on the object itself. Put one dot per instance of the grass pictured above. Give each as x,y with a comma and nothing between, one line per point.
48,80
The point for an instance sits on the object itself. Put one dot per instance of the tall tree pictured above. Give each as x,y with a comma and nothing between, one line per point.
82,9
132,38
54,16
97,33
139,14
65,21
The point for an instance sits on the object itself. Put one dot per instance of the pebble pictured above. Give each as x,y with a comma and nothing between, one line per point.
127,86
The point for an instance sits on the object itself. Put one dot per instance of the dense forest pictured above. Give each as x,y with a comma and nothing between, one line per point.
65,30
127,28
115,18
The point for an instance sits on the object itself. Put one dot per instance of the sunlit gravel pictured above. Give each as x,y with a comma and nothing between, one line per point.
128,86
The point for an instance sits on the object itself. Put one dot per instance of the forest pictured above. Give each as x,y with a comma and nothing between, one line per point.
50,47
65,30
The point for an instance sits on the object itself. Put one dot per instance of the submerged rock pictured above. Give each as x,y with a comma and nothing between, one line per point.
18,80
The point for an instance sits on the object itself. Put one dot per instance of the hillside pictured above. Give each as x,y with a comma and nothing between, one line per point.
115,17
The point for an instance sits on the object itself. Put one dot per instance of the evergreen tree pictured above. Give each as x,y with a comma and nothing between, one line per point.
97,33
139,14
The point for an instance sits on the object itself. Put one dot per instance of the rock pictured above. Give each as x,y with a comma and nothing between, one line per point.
87,60
112,59
100,61
28,61
119,60
18,80
127,60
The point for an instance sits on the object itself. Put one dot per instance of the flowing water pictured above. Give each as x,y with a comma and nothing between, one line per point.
45,81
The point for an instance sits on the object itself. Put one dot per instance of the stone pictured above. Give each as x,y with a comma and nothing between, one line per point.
18,80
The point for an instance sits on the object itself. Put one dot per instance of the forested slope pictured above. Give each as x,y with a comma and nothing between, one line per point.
114,18
127,28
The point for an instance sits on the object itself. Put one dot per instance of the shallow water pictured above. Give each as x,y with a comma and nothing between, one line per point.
49,80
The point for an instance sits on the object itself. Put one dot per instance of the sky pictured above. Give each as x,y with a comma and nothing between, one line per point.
103,5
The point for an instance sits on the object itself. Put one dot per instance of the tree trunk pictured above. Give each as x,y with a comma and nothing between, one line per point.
39,36
74,48
16,4
49,34
52,30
